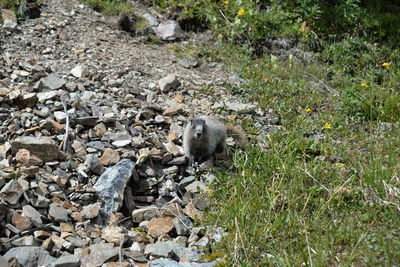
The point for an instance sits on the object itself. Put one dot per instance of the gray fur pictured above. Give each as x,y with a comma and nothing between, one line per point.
201,137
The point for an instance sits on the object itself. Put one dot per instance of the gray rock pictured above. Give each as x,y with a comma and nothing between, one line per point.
188,254
33,214
111,184
67,261
188,63
169,30
151,20
240,106
52,82
177,161
25,241
162,249
121,143
99,253
196,187
168,83
185,182
59,214
172,263
147,214
79,71
11,192
3,261
43,147
183,225
60,116
43,96
30,256
93,164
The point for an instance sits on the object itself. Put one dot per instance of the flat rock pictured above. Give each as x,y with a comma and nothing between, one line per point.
21,222
196,187
43,96
67,261
162,249
168,83
11,192
52,82
58,213
169,30
188,63
109,157
160,226
182,225
30,256
121,143
111,184
43,147
25,158
99,253
25,241
172,263
79,71
144,214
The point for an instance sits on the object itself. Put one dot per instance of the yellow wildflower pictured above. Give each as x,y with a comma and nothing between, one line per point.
308,110
364,85
241,12
327,125
226,2
386,64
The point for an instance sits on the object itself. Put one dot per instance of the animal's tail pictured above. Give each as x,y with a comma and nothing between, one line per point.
237,133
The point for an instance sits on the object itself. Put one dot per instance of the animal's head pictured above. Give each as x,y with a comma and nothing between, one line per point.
198,127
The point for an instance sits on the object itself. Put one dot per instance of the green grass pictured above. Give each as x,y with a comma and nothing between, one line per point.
293,200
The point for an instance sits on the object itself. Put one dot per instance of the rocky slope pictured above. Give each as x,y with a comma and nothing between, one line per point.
92,170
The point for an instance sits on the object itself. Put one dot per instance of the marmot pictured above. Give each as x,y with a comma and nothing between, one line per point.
203,136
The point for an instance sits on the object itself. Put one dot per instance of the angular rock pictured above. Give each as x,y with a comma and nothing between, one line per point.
43,147
162,249
25,158
58,213
43,96
196,187
169,30
26,100
67,261
168,83
144,214
21,222
111,184
94,164
79,71
182,225
99,253
109,157
160,226
30,256
112,234
188,63
25,241
52,82
11,192
33,214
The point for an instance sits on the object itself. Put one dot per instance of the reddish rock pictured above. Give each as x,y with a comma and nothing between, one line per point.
160,226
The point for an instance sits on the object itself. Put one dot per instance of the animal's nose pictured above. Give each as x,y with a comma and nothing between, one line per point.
198,134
